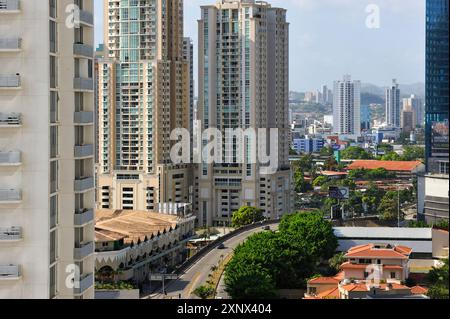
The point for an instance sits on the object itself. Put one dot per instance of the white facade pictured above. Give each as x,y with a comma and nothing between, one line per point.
347,107
243,83
46,149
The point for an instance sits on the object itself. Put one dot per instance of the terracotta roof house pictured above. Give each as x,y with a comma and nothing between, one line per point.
401,168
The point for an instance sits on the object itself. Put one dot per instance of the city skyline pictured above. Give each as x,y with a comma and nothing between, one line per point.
317,31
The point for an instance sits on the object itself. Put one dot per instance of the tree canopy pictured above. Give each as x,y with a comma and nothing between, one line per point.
246,215
356,153
269,261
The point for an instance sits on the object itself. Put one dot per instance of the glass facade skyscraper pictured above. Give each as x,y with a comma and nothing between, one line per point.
437,90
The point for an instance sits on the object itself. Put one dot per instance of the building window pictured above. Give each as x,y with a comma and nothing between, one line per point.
53,72
53,37
53,277
393,275
444,168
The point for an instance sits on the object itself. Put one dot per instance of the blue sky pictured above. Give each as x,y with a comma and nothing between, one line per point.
329,38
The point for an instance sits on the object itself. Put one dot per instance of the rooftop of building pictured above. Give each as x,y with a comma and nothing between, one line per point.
379,251
129,225
332,173
397,166
384,232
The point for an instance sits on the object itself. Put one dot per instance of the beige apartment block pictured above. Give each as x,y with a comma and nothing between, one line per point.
144,89
243,67
46,149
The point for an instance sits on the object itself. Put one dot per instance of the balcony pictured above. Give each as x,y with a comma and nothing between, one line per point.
10,120
84,118
83,84
13,158
10,196
83,50
83,218
86,18
9,6
10,82
86,282
84,184
10,45
8,234
83,251
84,151
10,272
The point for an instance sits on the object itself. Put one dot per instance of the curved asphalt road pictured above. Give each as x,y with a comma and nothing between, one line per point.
197,275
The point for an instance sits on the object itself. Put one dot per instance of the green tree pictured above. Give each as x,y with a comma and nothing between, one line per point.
388,208
326,151
311,233
301,185
391,156
413,153
438,279
320,181
336,261
204,292
355,153
246,215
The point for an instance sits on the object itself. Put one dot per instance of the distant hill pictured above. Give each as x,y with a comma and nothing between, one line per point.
405,90
370,98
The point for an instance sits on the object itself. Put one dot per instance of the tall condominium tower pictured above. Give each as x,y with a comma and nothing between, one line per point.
415,104
393,110
143,95
243,83
437,101
46,149
347,107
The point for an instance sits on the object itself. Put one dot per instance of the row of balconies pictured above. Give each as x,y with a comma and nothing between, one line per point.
14,82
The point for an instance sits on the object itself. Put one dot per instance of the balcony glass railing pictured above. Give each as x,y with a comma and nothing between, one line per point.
10,233
83,250
83,118
84,184
12,44
10,195
86,17
9,272
9,5
83,217
82,49
84,84
86,282
10,81
84,151
10,158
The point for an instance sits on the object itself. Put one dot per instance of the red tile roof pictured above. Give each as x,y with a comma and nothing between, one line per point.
418,290
327,280
364,287
369,251
388,165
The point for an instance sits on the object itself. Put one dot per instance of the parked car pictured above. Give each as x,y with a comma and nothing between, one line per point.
221,246
266,228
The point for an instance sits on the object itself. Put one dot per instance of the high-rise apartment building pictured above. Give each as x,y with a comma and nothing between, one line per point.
415,104
144,94
433,187
243,83
393,110
347,107
188,56
46,149
437,90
